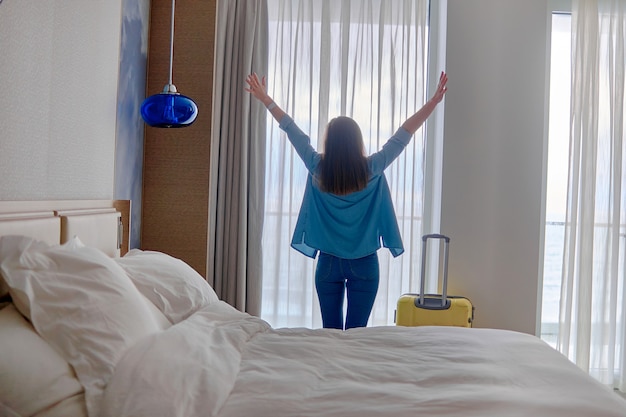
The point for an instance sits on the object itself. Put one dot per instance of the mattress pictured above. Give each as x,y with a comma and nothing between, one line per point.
224,363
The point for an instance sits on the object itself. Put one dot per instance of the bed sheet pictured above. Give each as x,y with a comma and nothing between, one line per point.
221,362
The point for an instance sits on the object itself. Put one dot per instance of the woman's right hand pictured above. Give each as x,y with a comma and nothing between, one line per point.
441,88
415,121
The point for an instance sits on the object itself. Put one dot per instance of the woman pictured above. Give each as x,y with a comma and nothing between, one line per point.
347,212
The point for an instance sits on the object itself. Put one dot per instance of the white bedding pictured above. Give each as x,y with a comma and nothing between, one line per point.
158,342
220,362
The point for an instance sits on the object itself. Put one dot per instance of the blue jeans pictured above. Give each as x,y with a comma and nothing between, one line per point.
357,277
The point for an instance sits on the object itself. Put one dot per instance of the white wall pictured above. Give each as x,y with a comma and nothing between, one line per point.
493,156
59,62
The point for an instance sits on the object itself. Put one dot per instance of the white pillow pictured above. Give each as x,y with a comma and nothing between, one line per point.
81,302
171,284
33,376
162,321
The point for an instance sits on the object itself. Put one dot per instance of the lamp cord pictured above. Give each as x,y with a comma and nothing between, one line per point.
171,40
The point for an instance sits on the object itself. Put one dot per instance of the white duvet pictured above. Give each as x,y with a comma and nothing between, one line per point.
220,362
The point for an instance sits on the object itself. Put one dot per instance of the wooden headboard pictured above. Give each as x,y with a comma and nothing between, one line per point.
104,224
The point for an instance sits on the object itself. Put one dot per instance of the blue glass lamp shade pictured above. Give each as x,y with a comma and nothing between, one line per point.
169,109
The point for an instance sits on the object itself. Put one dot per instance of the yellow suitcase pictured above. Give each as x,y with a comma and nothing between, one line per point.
434,309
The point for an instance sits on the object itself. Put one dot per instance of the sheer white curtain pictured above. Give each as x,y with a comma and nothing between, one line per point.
361,58
592,328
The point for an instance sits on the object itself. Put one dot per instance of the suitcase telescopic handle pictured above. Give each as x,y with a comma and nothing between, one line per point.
444,288
435,236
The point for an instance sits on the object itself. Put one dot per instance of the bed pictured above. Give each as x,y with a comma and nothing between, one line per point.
90,328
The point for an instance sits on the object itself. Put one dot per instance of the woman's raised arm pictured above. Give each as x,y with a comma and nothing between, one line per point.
414,122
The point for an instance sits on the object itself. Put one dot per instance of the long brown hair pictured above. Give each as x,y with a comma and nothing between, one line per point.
343,168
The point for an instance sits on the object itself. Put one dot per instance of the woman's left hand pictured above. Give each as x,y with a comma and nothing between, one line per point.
257,88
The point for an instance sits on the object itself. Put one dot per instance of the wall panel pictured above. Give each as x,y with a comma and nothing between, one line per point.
176,161
59,67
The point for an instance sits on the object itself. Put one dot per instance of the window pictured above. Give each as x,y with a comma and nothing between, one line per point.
556,189
367,60
584,279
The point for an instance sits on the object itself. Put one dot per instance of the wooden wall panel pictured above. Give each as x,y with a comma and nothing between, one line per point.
176,161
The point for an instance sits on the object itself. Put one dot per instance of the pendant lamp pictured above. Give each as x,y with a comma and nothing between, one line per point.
169,108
